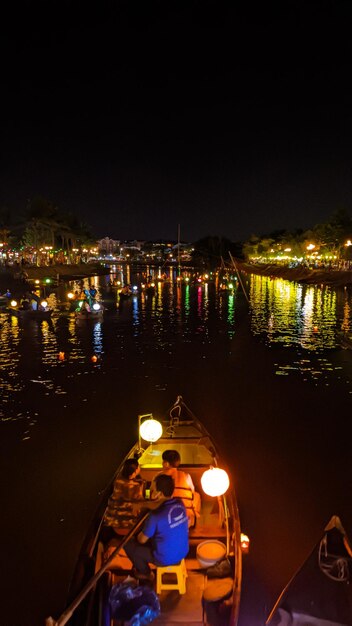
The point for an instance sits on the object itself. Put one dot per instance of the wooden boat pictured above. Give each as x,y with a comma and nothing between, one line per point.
320,594
217,524
82,314
125,292
31,314
148,288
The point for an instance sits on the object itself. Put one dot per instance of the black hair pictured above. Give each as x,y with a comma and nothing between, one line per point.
172,457
129,468
165,484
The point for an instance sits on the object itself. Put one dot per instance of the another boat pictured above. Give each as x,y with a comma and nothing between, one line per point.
31,314
148,288
94,316
125,292
212,593
320,594
93,313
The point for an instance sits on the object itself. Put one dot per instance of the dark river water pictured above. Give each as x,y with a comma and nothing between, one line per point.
270,382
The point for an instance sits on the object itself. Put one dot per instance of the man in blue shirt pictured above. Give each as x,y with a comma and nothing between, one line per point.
164,538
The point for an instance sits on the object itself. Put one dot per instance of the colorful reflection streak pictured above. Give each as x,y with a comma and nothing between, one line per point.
294,314
40,361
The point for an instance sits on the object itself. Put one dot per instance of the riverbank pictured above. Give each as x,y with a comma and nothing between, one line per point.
334,278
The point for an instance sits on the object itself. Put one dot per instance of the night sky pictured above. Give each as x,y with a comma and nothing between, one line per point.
139,116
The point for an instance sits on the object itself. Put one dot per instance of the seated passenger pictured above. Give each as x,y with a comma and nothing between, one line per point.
184,487
121,511
164,537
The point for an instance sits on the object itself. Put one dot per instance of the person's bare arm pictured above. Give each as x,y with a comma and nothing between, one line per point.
142,538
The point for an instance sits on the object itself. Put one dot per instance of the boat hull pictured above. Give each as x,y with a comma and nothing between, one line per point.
218,520
29,314
89,316
320,593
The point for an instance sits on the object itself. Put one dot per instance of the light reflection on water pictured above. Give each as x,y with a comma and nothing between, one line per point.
292,314
45,356
40,358
307,318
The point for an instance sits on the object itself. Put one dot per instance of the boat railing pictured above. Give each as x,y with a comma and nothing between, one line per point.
67,614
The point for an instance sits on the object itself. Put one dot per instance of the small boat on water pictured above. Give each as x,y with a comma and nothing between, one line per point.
320,594
93,315
31,307
89,309
125,292
148,288
212,569
30,314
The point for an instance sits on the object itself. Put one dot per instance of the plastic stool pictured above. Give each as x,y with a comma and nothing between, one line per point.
180,572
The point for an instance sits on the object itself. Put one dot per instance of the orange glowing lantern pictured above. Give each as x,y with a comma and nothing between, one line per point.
61,356
245,541
94,358
215,482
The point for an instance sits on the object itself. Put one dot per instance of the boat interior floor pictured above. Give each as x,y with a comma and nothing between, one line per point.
182,609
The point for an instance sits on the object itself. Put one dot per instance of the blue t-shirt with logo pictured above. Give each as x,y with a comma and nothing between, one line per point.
167,527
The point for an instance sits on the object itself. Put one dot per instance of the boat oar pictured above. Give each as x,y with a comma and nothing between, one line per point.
67,614
239,277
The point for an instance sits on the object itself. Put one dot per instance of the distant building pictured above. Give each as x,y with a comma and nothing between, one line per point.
184,250
108,246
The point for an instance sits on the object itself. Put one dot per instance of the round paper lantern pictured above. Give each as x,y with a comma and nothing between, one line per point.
44,304
13,302
150,430
96,306
215,482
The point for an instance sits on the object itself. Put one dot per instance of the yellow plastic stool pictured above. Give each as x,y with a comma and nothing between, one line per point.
180,572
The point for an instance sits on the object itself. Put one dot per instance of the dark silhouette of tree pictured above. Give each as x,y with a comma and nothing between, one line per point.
46,224
209,251
5,224
333,233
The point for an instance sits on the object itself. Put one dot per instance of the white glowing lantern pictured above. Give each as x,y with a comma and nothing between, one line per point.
70,295
96,306
151,430
13,303
44,304
215,482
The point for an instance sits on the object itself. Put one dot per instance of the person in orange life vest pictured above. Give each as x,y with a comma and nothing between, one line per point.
184,487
